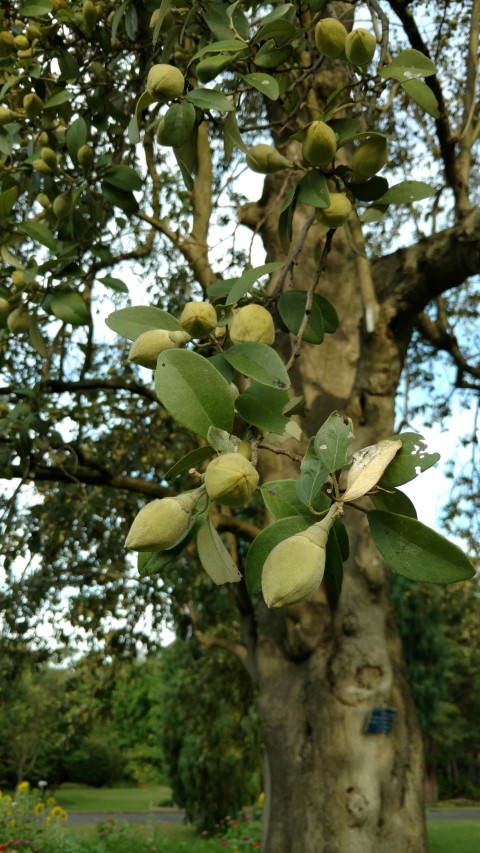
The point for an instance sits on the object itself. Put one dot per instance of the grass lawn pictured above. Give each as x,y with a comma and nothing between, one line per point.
453,836
81,798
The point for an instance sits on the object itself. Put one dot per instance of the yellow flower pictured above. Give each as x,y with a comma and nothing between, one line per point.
23,788
57,811
38,808
261,800
50,801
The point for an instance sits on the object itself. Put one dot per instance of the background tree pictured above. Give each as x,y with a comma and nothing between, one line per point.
81,205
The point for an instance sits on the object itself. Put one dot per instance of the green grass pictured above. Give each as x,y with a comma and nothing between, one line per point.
453,836
81,798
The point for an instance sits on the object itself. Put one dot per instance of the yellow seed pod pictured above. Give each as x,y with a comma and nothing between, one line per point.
5,310
338,211
18,279
265,159
33,32
33,105
160,524
252,323
294,568
360,46
18,320
42,168
21,42
199,319
148,346
165,82
319,144
231,479
44,200
369,158
330,36
6,115
85,156
62,205
49,156
7,39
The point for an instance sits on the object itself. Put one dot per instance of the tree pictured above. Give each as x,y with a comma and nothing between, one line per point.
85,84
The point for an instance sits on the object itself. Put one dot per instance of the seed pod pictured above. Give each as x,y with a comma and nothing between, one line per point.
368,466
33,32
294,568
369,158
32,104
6,115
231,479
89,14
85,156
18,279
21,42
199,319
319,144
42,167
336,213
7,39
148,346
165,82
360,46
252,323
330,36
62,205
44,200
50,158
5,310
19,320
265,159
160,524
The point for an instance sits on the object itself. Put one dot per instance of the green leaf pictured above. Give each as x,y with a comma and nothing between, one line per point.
291,307
126,201
260,362
411,460
281,499
248,278
394,501
222,366
123,178
40,233
407,191
214,556
408,65
415,551
345,129
313,189
231,136
333,575
263,407
179,123
36,339
210,99
312,479
69,307
422,94
193,391
7,200
76,136
264,83
370,190
132,322
228,45
189,461
216,19
113,283
342,538
58,99
36,9
332,442
264,544
222,441
270,56
285,220
185,171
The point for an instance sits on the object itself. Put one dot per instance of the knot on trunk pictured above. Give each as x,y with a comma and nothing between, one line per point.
357,807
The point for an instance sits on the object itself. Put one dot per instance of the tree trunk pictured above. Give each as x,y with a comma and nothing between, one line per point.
334,788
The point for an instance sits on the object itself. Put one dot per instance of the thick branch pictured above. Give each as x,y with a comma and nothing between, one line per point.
95,385
442,339
84,475
209,642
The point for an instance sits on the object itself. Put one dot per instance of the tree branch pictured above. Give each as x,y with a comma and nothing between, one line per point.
89,476
442,339
209,642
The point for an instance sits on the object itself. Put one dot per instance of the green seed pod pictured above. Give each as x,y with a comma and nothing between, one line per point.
42,167
165,82
18,279
319,145
6,115
19,320
85,156
34,32
252,323
294,568
148,346
7,39
369,158
33,105
265,159
330,36
89,14
338,211
44,200
62,205
231,479
199,319
5,310
21,42
360,46
98,71
50,157
160,524
43,138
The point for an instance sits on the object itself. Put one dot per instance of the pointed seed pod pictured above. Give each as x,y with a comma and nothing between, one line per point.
85,156
252,323
148,346
6,115
19,320
49,157
160,524
336,213
44,200
62,205
42,168
360,46
369,158
319,144
21,42
18,279
165,82
199,319
330,36
266,160
231,479
32,104
89,13
294,568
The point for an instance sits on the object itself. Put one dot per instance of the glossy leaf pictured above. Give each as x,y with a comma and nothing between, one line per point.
312,479
260,362
423,96
248,278
370,190
69,307
313,189
410,64
410,460
394,501
209,99
214,556
76,136
291,307
114,283
123,178
407,191
264,83
263,407
333,575
193,391
189,461
415,551
264,544
281,499
132,322
39,232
